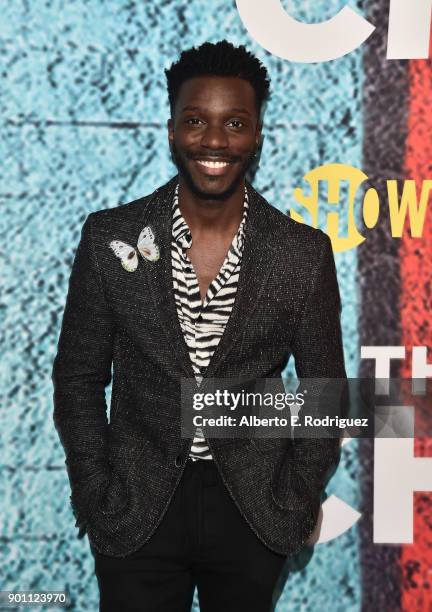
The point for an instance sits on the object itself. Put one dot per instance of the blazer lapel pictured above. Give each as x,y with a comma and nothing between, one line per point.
158,215
256,265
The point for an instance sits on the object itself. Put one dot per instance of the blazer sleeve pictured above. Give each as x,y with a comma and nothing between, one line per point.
81,371
318,352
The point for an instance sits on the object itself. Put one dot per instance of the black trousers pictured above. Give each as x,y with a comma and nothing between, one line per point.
202,541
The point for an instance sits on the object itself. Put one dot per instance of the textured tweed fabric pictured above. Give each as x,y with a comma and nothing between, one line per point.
124,473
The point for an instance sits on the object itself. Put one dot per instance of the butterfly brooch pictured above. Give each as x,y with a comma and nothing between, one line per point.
128,255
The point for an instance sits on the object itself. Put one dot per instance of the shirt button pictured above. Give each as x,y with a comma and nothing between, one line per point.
178,461
188,269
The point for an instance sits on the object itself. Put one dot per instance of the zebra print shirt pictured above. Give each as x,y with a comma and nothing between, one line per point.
203,322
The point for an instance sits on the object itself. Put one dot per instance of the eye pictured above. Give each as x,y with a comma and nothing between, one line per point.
236,123
193,121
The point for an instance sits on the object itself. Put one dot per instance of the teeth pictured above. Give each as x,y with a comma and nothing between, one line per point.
211,164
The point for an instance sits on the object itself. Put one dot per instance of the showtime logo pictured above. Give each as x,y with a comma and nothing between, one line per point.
274,29
405,204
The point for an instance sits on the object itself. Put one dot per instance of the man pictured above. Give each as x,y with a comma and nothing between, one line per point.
201,279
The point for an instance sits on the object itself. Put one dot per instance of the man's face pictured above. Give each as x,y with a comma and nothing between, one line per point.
214,134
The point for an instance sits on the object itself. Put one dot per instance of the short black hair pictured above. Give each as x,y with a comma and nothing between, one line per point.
218,59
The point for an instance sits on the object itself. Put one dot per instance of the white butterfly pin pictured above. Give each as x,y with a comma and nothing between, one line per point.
128,255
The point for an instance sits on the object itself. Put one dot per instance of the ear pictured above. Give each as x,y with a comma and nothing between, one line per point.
170,125
258,133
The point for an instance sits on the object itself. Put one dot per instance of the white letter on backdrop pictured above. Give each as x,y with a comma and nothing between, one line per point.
397,474
382,356
409,29
279,33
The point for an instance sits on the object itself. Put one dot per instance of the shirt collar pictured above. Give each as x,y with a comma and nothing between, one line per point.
182,234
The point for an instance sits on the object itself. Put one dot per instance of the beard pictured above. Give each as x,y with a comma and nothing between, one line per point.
205,195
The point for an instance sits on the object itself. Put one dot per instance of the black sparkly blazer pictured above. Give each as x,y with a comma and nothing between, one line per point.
124,325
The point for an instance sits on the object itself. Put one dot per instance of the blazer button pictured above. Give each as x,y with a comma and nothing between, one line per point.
178,461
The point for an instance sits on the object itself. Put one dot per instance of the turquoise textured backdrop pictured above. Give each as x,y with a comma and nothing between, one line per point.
83,127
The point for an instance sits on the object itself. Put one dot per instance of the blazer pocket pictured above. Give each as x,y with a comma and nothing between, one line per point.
274,452
271,448
115,497
291,497
122,455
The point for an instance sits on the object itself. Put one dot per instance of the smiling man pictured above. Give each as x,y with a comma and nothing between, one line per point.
202,278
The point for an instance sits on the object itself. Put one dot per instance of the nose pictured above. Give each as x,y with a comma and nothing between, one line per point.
214,137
